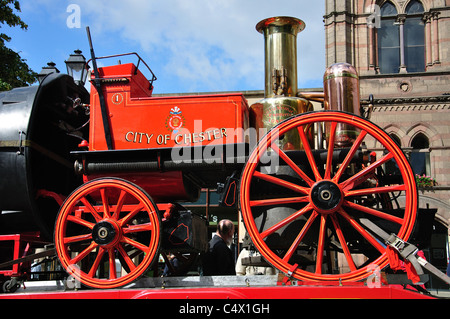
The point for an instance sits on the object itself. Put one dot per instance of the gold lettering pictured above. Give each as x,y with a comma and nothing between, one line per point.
224,132
186,138
159,139
189,138
126,137
140,137
194,137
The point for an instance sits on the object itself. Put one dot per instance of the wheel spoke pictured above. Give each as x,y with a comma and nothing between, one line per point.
138,228
96,263
330,150
281,182
309,154
120,202
321,244
131,214
75,239
300,236
105,203
375,243
126,258
84,253
135,244
292,165
91,209
375,190
343,243
349,156
278,201
80,221
363,175
373,212
112,264
286,221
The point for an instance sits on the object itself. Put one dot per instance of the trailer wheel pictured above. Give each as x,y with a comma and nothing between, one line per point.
11,285
107,233
326,198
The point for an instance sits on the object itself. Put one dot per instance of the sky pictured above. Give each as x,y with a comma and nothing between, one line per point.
190,45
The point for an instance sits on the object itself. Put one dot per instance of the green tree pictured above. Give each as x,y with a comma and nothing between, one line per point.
14,72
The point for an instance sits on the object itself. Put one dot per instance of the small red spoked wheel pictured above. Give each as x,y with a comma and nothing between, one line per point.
323,195
107,233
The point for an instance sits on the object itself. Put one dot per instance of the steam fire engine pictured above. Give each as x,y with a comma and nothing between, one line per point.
99,180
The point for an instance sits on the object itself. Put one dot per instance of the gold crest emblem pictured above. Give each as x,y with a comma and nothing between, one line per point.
175,120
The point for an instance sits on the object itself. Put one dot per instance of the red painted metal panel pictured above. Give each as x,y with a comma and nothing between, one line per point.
278,292
138,120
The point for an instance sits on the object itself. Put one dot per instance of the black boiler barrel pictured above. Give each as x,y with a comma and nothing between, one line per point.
38,128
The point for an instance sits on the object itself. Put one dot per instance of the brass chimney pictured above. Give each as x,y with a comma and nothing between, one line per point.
280,35
281,101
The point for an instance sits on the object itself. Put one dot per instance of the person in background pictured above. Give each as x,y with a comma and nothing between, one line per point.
218,260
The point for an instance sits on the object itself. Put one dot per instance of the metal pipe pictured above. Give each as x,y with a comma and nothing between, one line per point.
341,93
153,166
280,89
280,35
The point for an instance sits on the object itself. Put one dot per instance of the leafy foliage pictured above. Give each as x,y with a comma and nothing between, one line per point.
14,72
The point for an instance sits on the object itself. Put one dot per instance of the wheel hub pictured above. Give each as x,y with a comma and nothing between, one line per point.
326,197
104,233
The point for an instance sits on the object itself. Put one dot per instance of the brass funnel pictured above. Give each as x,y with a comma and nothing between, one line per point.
281,101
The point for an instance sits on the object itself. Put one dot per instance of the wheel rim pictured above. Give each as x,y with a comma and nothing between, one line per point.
326,198
107,233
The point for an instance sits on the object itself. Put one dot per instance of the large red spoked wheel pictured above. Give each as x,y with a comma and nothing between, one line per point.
107,233
326,196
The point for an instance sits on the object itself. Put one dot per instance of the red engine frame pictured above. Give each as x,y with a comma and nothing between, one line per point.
19,245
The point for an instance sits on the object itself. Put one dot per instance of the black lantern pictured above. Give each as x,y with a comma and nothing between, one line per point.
76,67
46,70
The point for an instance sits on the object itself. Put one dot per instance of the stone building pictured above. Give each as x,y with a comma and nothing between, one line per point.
401,49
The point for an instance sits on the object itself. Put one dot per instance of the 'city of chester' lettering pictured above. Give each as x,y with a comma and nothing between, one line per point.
179,139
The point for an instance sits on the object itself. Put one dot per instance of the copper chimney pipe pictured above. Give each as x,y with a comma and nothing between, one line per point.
341,88
341,93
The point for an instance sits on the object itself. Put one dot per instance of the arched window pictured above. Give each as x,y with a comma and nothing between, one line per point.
420,155
414,38
401,39
420,141
388,40
391,167
396,139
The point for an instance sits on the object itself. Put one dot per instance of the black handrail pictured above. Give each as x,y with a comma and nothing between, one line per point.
154,78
